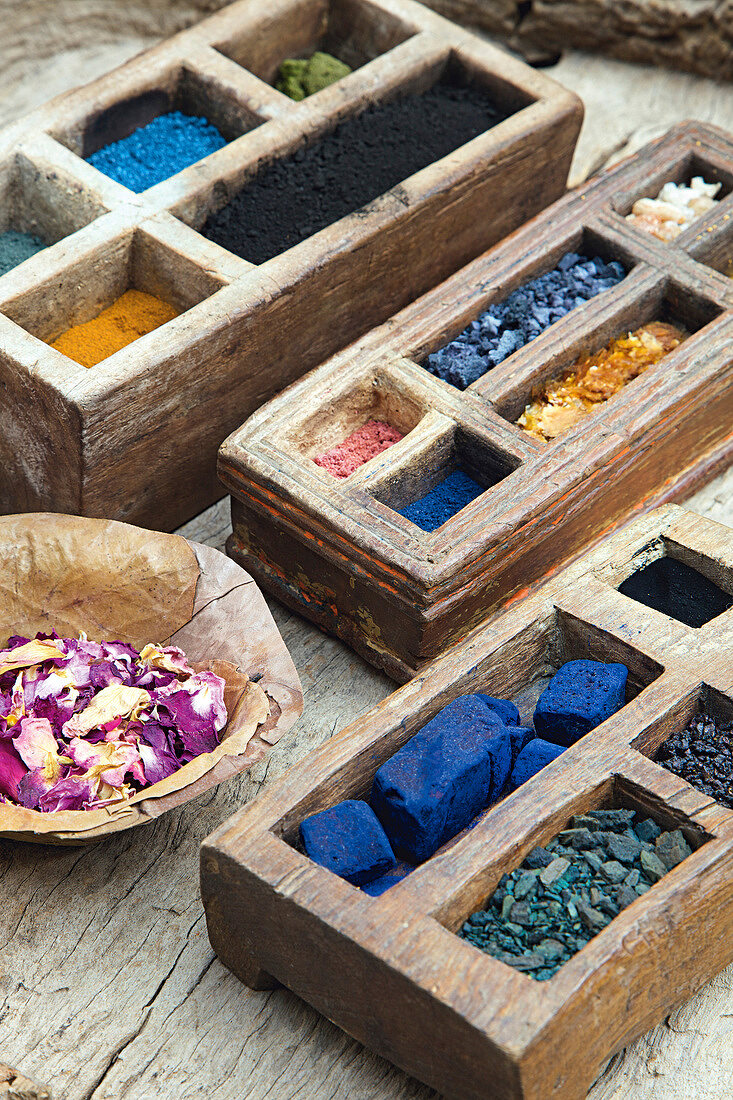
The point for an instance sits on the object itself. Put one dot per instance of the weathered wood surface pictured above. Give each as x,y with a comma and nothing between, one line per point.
108,986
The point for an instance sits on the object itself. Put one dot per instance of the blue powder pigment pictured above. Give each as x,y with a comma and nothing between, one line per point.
507,326
16,247
442,502
167,145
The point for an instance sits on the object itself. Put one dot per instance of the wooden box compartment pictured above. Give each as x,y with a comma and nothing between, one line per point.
337,550
389,970
135,437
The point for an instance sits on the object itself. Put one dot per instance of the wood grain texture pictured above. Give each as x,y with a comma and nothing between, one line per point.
388,970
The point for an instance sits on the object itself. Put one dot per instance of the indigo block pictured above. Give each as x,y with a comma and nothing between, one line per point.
580,696
535,755
504,708
446,774
519,736
348,840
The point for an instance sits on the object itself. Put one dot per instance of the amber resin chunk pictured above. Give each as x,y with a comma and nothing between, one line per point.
674,208
594,378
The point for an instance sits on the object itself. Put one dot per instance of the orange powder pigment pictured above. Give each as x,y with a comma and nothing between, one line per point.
130,317
564,401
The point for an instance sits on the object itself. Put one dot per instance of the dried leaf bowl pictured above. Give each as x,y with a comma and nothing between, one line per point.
115,581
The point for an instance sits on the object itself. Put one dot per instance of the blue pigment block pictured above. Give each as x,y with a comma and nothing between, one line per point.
535,755
381,885
442,502
519,737
152,153
348,840
580,696
446,774
504,708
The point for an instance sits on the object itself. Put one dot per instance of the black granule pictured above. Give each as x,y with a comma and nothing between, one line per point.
677,590
291,199
702,754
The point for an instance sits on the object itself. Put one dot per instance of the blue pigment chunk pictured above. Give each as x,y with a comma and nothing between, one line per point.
168,144
519,737
580,696
535,755
381,885
508,325
348,840
16,247
446,774
504,708
442,502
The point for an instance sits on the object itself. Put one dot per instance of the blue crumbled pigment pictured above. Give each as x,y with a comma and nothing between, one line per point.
442,502
433,787
16,247
535,756
348,840
153,153
580,696
507,326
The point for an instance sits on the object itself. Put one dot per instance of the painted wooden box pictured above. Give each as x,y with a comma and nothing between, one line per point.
390,970
136,436
340,552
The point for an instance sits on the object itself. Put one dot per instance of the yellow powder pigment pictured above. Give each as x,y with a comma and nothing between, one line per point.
594,378
130,317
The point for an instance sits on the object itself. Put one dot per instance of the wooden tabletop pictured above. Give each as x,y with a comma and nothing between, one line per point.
108,986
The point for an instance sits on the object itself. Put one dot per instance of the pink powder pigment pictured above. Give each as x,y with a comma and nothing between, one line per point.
367,441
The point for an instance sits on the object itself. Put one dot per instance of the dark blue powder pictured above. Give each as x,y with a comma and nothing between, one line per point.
167,145
442,502
507,326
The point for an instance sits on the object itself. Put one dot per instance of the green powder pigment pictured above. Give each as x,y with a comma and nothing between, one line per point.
16,247
301,78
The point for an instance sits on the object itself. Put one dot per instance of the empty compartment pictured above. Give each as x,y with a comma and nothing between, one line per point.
695,742
516,311
539,651
621,841
289,199
454,470
39,207
141,140
680,210
353,31
350,427
136,261
595,367
679,582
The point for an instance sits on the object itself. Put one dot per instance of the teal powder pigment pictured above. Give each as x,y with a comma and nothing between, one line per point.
442,502
153,153
16,247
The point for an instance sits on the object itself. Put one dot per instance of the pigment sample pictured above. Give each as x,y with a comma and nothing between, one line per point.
445,500
300,78
442,778
133,315
348,840
563,402
677,590
702,755
152,153
296,196
580,696
367,441
565,893
16,247
674,208
507,326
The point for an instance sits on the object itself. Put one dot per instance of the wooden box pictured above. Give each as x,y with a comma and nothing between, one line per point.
136,436
337,551
389,970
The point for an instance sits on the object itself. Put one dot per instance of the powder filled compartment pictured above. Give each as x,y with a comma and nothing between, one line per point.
292,198
132,315
677,589
368,441
147,137
352,32
38,208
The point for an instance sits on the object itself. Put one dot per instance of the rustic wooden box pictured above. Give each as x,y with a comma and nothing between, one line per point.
337,552
389,970
135,437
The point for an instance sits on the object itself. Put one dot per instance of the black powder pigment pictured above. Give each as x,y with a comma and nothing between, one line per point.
291,199
677,590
